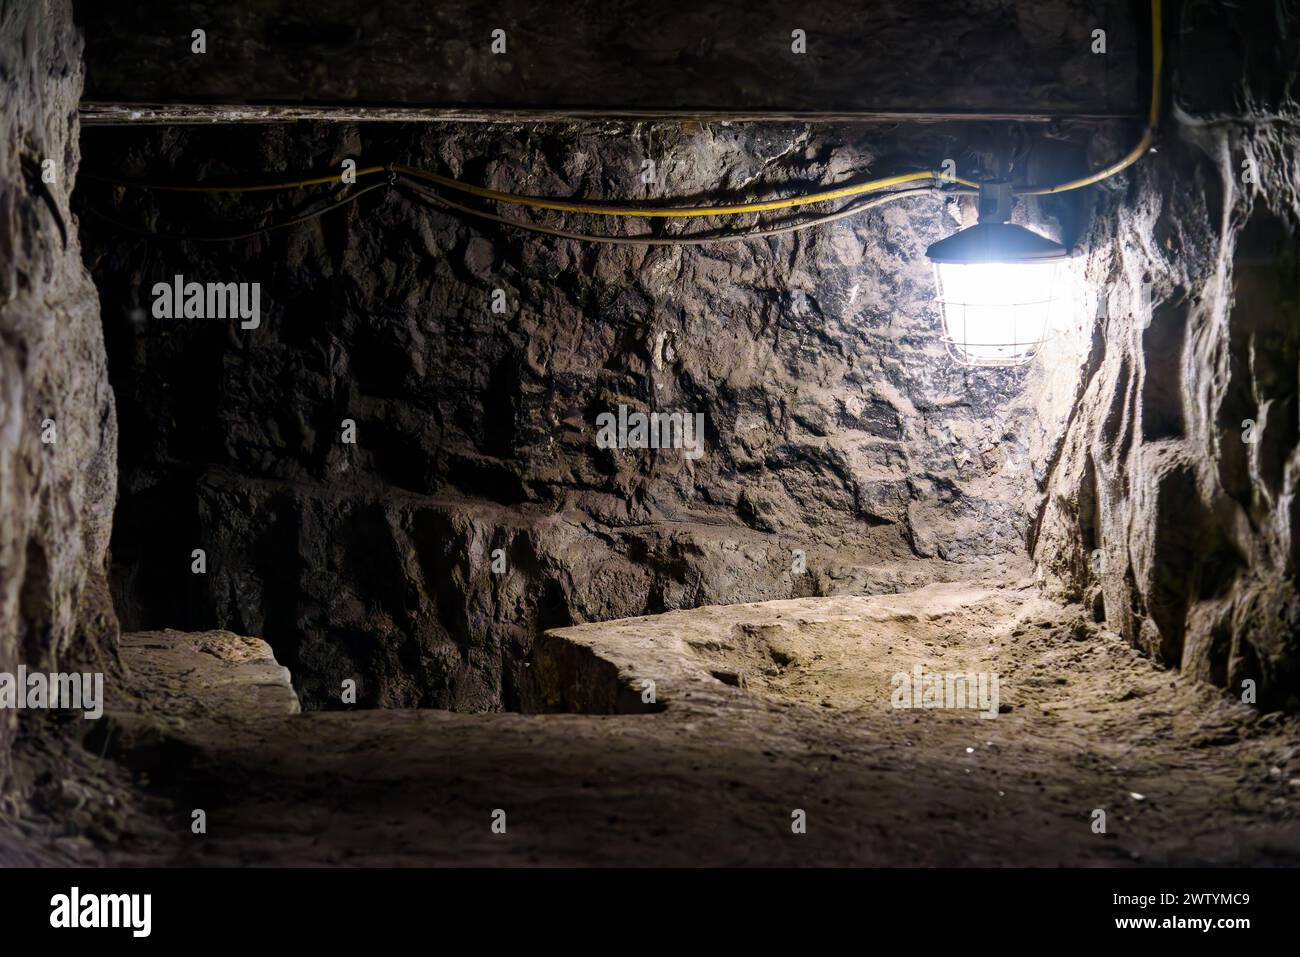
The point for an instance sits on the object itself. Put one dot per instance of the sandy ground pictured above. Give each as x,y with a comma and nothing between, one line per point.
764,710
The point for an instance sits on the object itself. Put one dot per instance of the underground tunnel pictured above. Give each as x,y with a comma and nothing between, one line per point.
736,437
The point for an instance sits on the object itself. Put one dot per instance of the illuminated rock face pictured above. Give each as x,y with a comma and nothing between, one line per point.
57,429
834,423
835,426
1172,506
843,452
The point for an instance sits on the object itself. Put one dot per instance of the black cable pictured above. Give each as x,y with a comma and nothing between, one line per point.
853,208
691,240
351,198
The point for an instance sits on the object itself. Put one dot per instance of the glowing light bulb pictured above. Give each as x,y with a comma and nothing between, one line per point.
995,313
996,283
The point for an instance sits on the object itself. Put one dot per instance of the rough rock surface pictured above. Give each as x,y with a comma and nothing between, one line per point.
56,497
238,674
176,680
1172,503
762,709
834,425
834,421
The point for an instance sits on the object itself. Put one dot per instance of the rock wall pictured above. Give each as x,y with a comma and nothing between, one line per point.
1172,502
834,423
57,427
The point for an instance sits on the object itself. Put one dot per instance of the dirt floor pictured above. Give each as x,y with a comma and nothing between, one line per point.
759,711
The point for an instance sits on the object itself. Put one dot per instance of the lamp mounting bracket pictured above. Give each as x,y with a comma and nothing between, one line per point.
995,201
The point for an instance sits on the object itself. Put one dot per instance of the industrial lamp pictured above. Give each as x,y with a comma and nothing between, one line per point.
996,283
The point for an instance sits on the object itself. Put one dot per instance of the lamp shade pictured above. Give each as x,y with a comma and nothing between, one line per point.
996,285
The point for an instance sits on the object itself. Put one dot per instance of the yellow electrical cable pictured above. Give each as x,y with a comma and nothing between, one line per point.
568,206
1148,135
652,240
655,212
